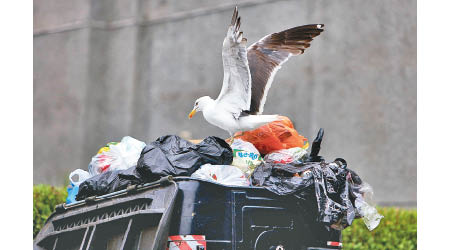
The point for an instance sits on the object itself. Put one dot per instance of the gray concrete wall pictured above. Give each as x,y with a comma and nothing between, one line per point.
106,69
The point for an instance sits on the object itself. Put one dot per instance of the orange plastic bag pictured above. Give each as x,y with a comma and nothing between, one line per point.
274,136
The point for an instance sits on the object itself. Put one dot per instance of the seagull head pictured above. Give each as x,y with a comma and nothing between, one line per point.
200,105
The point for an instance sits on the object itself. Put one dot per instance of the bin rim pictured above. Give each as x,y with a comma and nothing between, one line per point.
65,206
188,178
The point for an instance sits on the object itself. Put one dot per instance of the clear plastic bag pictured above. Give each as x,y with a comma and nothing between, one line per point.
286,156
245,156
364,207
117,156
223,174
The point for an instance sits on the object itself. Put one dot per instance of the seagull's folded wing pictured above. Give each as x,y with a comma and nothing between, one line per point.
235,95
267,55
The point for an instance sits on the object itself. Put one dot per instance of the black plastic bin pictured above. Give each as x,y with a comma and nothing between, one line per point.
186,213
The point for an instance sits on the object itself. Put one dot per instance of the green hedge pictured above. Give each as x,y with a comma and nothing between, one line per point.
45,198
397,230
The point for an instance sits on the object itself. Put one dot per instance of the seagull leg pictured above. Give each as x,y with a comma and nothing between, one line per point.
232,138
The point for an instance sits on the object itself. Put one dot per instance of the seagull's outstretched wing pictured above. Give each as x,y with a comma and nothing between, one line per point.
235,95
267,55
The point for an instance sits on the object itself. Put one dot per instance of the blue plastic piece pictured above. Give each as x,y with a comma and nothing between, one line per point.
72,192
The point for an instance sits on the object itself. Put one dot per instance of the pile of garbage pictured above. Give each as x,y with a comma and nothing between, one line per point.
273,156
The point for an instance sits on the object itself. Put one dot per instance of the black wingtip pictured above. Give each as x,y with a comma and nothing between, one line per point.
235,15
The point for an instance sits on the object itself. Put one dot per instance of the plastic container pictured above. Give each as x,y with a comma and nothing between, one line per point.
201,214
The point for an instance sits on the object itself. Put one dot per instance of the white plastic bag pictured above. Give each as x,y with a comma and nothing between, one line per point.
286,155
223,174
369,213
245,156
119,156
78,176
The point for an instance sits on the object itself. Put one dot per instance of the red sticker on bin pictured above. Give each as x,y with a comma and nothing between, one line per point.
186,242
334,244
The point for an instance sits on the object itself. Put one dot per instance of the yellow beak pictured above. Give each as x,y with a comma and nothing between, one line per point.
192,113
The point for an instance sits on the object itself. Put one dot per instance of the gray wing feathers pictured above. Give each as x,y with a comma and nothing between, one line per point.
267,55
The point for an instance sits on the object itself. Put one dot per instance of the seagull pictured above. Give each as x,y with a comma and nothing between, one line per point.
248,75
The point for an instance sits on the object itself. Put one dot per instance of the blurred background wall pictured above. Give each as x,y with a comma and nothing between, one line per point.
104,69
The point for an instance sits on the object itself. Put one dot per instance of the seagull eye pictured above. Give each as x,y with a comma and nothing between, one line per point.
196,103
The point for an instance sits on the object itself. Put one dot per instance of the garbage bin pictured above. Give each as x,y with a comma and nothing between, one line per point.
187,213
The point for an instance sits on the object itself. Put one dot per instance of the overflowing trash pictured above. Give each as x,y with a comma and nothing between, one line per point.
245,156
329,182
275,136
273,156
339,191
168,155
223,174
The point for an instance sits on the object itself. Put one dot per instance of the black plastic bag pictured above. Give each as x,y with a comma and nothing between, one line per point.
172,155
280,178
168,155
329,183
109,182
